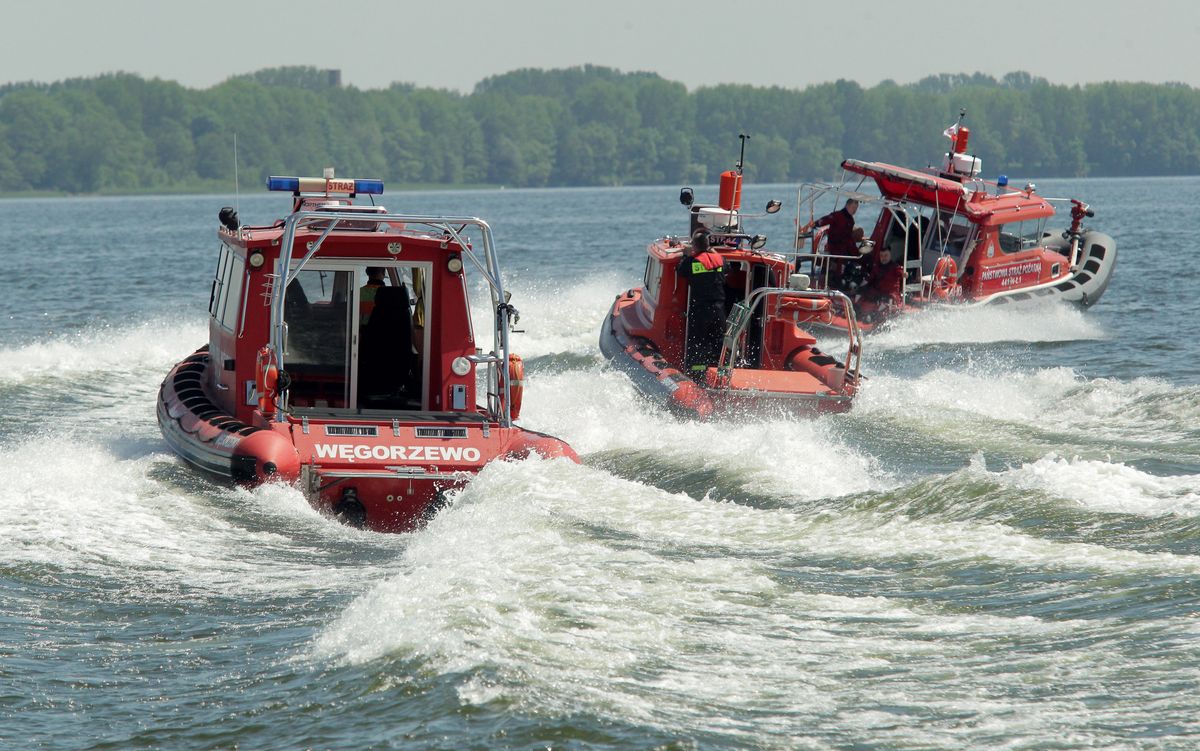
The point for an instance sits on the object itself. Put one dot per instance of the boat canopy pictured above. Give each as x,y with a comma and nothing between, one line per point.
900,184
945,194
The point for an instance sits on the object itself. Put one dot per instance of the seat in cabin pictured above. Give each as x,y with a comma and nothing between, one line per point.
388,368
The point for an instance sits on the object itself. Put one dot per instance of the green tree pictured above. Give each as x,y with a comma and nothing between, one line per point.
585,125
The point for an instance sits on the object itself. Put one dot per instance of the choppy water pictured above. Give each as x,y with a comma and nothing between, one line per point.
999,547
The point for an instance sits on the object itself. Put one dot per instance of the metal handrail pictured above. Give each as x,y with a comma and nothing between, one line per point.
444,226
739,320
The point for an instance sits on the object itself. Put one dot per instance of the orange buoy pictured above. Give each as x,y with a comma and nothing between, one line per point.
515,383
266,379
945,276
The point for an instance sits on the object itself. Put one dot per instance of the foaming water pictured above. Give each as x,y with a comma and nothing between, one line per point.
704,617
997,545
987,324
604,418
989,405
1108,486
152,536
565,318
102,351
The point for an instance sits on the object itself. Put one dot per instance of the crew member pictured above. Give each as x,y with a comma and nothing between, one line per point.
884,289
366,293
842,238
705,273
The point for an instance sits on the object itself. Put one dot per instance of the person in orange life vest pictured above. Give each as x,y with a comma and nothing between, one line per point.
841,240
366,294
705,273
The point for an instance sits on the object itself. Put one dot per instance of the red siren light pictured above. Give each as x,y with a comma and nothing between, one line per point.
731,191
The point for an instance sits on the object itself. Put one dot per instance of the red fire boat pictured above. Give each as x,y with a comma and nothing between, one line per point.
342,358
954,237
766,359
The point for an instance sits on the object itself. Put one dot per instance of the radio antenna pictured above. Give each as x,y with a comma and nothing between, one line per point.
236,192
742,157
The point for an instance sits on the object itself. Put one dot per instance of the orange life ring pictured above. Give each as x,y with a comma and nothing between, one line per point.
514,384
804,304
803,309
266,379
945,277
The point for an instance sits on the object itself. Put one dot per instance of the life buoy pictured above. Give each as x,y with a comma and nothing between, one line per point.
803,309
266,379
514,380
945,277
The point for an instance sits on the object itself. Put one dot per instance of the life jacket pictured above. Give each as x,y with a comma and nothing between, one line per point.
707,274
366,302
706,262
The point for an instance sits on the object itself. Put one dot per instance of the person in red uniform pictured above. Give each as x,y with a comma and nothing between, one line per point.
705,272
841,239
884,288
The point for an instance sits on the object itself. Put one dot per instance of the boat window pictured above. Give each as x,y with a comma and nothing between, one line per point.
357,337
1018,236
901,233
391,342
652,278
949,236
317,312
214,299
233,292
214,294
224,301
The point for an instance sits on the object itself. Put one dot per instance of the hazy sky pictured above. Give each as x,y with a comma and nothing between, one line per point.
455,43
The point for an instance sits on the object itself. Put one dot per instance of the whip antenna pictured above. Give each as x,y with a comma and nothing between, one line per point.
236,193
742,156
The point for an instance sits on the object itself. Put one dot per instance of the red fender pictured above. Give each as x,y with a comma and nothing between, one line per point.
527,442
275,458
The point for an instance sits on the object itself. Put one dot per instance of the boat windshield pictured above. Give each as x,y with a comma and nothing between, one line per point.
1018,236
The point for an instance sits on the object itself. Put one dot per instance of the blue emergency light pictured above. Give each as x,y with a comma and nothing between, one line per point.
296,185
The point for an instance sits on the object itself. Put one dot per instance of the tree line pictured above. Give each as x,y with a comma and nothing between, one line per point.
578,126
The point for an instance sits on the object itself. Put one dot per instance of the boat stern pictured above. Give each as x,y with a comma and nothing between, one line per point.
393,477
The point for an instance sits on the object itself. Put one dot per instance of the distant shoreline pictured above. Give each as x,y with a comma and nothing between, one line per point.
224,190
435,188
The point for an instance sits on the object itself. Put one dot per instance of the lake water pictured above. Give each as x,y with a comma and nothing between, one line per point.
998,547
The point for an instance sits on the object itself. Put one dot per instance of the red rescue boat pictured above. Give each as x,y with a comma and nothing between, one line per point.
766,357
341,357
953,238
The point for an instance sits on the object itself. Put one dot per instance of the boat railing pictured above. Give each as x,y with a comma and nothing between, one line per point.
809,194
452,229
743,313
820,264
918,235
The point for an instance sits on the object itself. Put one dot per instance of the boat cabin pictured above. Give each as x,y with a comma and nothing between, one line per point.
366,313
951,230
661,313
